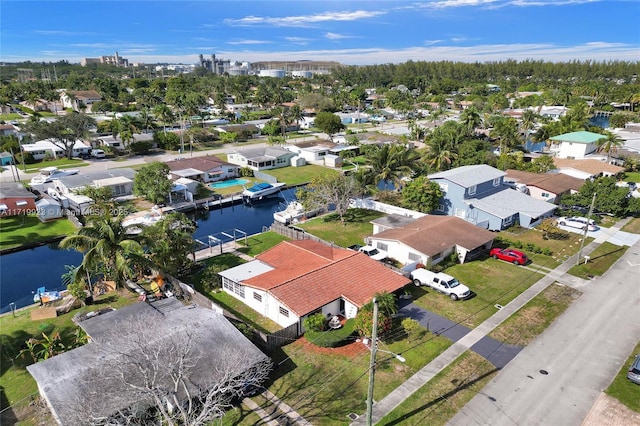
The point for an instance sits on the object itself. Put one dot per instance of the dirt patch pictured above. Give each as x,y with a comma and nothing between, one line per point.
351,350
608,411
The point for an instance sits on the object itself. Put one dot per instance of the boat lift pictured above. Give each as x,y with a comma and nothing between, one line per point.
221,238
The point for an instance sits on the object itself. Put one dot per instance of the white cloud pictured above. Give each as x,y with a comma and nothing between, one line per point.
431,42
305,20
239,42
298,40
336,36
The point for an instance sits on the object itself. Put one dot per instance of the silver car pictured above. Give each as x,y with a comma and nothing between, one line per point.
634,370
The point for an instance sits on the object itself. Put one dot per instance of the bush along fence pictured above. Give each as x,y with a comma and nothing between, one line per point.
530,247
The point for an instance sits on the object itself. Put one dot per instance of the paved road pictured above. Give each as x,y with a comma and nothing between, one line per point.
580,353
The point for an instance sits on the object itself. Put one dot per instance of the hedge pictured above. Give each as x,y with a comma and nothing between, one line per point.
332,338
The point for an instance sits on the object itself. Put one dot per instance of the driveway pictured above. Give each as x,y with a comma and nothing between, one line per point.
614,236
497,353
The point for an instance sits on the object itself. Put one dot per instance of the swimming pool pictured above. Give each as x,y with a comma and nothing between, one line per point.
227,183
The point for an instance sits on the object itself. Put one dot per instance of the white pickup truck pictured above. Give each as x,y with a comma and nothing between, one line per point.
441,282
374,253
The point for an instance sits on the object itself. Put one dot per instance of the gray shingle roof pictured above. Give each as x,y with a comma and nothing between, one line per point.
82,180
506,203
467,176
14,190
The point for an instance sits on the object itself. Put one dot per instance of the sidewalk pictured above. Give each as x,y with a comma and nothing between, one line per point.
415,382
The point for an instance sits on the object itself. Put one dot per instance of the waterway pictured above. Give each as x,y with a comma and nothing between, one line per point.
21,273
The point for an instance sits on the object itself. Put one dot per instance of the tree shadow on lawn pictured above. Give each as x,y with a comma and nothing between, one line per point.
460,386
352,216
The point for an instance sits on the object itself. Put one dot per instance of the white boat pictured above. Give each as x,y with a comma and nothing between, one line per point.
43,295
48,174
293,213
135,222
261,190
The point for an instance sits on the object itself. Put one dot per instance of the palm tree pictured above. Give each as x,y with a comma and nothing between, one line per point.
471,119
164,114
390,163
439,154
610,144
107,246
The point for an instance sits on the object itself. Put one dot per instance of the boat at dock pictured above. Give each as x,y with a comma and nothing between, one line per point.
293,213
261,190
43,295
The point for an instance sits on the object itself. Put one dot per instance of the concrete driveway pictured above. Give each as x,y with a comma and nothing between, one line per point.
614,236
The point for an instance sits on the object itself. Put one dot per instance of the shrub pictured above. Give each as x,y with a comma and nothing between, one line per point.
246,172
332,338
316,322
412,327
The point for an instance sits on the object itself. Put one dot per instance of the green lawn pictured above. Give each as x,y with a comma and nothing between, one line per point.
299,175
329,228
20,230
622,388
61,163
16,382
492,281
600,260
532,319
632,226
561,248
324,386
632,177
443,396
256,244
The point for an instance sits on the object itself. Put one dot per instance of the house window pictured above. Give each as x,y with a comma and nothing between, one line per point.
284,312
21,203
508,221
118,190
257,296
545,195
496,182
460,213
382,246
233,286
440,207
415,257
436,256
472,190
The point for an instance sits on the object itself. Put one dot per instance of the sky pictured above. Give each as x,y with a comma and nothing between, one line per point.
349,32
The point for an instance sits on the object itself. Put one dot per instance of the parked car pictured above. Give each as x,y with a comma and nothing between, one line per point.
374,253
98,153
634,370
578,222
509,255
441,282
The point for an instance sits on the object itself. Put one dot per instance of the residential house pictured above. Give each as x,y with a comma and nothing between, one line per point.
553,111
119,180
313,152
15,199
477,195
429,239
79,99
203,169
575,144
45,149
8,129
587,168
83,383
264,158
296,279
244,130
6,159
547,187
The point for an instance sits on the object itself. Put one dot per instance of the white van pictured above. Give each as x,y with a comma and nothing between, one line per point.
98,153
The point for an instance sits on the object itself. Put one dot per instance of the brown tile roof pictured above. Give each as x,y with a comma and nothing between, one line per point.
557,183
594,167
198,163
309,274
89,94
433,234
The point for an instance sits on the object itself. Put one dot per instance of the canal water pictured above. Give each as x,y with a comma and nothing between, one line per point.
21,273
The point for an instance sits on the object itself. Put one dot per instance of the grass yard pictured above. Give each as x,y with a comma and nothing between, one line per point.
600,260
632,226
533,318
299,175
443,396
622,388
256,244
20,230
325,385
492,281
329,228
561,248
15,381
632,177
61,163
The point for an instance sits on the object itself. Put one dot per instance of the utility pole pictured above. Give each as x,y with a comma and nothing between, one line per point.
372,362
586,228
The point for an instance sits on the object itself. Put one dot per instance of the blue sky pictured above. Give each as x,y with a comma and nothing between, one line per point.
350,32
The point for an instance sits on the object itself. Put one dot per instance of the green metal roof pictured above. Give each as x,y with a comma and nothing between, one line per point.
579,137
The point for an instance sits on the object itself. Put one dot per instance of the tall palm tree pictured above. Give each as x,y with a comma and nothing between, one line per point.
390,163
439,154
471,119
107,246
610,144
